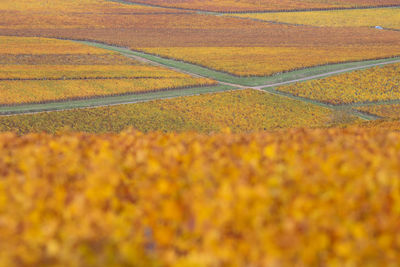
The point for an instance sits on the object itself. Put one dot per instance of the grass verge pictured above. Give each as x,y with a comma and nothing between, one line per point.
111,100
244,81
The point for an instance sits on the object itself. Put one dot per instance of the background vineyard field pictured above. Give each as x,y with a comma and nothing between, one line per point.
217,42
267,61
268,5
37,70
374,84
384,111
385,17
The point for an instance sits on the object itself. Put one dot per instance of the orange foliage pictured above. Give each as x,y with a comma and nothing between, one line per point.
37,46
384,111
161,28
388,18
65,72
370,85
265,5
290,198
240,111
52,75
265,61
382,124
180,30
292,47
33,91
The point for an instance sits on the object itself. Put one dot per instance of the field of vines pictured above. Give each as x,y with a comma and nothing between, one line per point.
266,61
42,72
34,91
385,17
266,5
37,46
240,111
387,124
187,30
238,46
243,177
290,198
37,70
80,6
384,111
130,26
66,59
373,84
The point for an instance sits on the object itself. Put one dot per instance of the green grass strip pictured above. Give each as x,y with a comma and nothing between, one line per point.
110,100
244,81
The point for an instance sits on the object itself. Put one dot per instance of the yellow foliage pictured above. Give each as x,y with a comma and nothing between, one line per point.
384,111
41,80
18,92
382,124
85,72
62,6
239,111
71,14
35,45
373,84
384,17
286,198
265,5
265,61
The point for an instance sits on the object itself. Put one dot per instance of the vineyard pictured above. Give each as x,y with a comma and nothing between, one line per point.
384,111
266,61
382,124
374,84
40,46
327,197
201,133
51,75
387,18
42,72
218,42
66,59
191,30
22,92
58,6
268,5
165,29
240,111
